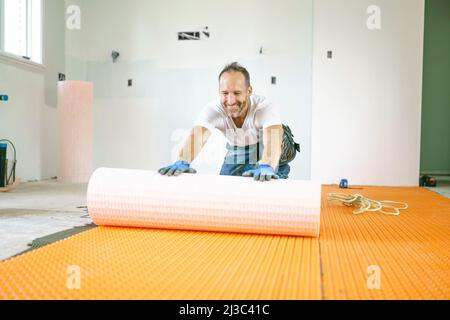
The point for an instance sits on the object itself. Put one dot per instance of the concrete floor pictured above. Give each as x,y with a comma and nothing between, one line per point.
443,186
38,209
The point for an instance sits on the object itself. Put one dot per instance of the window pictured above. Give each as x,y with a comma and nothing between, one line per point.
21,28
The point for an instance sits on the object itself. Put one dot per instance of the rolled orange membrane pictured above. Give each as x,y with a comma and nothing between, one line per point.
146,199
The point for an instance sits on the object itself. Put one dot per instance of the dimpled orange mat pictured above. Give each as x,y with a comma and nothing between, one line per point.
369,256
374,256
120,263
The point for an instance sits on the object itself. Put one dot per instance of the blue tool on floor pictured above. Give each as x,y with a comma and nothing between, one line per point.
343,184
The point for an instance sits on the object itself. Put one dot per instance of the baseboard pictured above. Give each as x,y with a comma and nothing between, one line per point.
436,173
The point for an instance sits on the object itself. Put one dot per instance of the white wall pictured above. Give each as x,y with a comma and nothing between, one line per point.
54,53
54,56
173,80
367,99
29,119
20,116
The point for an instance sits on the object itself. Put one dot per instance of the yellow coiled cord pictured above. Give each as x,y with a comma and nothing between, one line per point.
368,205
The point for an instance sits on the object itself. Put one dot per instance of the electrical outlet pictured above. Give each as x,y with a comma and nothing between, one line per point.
130,82
274,80
330,54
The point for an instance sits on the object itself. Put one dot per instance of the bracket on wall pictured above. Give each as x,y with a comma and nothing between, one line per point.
114,56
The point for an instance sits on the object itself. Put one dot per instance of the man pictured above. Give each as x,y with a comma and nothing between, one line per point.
251,125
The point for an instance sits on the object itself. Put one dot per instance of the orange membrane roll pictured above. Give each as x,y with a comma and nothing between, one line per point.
133,198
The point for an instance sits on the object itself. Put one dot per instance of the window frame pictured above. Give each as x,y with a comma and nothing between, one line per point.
15,58
2,24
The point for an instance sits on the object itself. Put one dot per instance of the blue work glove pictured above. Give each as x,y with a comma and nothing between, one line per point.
263,172
176,169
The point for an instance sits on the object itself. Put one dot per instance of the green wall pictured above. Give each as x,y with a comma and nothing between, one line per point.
435,152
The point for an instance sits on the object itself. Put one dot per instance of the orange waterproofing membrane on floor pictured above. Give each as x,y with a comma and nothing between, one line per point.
411,252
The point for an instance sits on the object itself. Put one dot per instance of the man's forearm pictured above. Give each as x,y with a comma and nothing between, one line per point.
194,144
272,140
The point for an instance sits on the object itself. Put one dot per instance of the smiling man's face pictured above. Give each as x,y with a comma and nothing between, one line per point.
234,94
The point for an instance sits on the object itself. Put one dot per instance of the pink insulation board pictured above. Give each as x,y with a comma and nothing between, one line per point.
75,117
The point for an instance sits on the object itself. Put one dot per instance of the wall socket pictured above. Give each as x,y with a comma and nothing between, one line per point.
130,82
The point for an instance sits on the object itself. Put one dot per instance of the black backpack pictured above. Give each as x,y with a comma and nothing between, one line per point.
289,147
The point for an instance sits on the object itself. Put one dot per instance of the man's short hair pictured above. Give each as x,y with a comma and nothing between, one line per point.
236,67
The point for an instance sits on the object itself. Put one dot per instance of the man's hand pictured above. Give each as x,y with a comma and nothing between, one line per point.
263,172
176,169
